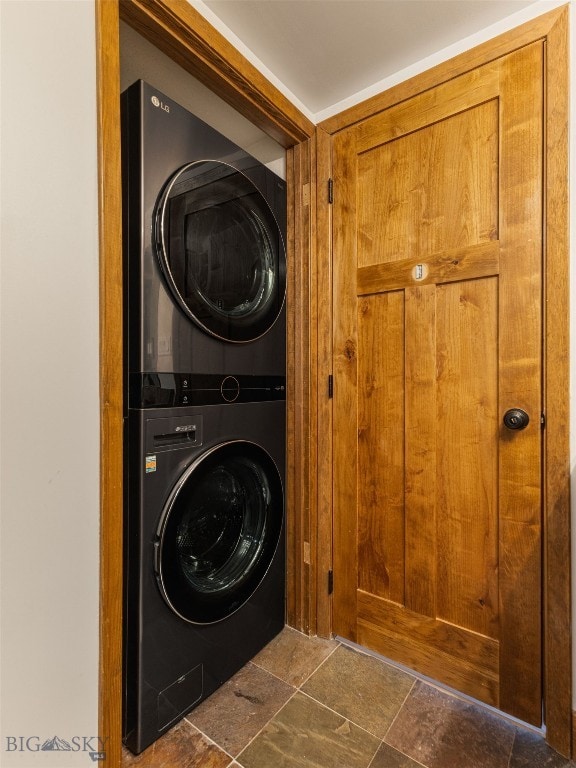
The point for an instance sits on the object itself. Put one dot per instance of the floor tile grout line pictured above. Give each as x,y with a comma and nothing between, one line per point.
384,744
296,689
339,714
453,693
348,720
245,747
400,708
306,679
323,704
371,656
423,683
321,664
263,669
275,712
208,738
375,753
339,644
252,661
516,732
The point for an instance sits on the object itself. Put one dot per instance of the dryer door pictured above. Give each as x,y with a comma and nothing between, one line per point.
221,251
219,531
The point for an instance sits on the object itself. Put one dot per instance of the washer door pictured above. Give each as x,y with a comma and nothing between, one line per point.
219,531
221,251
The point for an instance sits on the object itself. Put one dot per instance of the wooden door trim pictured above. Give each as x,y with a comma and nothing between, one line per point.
557,554
177,29
322,426
183,34
300,481
111,422
536,29
552,28
309,498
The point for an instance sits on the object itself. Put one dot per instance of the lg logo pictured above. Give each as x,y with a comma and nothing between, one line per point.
157,103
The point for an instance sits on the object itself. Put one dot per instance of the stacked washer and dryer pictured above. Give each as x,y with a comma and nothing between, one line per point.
205,368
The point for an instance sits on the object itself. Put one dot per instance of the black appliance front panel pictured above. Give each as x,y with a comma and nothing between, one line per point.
220,251
167,390
159,139
170,663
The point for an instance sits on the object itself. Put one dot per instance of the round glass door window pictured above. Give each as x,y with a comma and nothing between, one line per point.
221,251
219,531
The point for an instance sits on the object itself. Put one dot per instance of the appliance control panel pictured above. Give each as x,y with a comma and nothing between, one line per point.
167,390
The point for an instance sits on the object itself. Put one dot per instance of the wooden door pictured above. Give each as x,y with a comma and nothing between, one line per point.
437,334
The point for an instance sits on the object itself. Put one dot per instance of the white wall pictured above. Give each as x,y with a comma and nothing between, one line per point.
49,382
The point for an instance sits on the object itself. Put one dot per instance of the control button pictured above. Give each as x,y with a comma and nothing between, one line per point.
230,389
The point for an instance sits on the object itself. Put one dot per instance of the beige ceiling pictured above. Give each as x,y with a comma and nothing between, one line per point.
325,51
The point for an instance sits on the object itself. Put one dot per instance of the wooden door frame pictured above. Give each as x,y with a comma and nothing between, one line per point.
552,28
185,36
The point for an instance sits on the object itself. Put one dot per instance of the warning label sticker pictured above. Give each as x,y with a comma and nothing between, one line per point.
150,463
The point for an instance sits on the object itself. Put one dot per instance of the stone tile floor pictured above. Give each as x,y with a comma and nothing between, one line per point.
305,702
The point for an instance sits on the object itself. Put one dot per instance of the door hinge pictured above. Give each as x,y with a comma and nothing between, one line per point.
542,421
330,191
330,582
330,386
